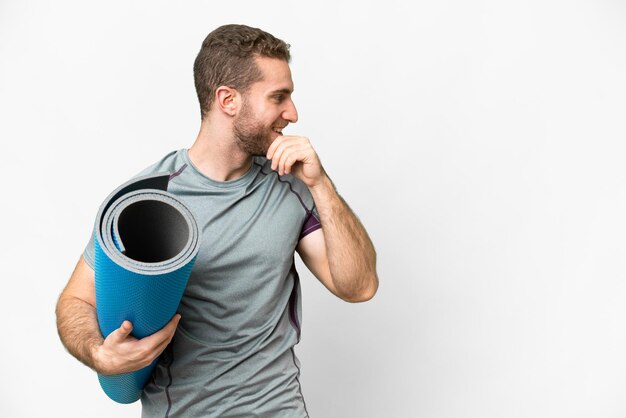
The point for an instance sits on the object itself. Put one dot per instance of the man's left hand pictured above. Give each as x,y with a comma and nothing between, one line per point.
295,155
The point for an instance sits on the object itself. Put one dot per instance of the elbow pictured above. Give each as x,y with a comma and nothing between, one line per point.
362,294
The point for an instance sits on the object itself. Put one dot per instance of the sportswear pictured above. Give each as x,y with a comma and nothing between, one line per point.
233,351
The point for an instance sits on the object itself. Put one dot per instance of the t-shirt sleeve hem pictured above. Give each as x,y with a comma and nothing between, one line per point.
89,259
311,224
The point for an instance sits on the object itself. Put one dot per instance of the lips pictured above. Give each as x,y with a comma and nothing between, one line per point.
279,129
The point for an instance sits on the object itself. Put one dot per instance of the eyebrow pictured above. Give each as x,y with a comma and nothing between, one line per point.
283,91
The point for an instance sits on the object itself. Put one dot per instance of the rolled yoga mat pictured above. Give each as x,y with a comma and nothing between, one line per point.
146,242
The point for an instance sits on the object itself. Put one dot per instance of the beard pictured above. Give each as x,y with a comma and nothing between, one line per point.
251,136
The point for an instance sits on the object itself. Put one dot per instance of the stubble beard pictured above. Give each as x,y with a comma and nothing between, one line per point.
252,137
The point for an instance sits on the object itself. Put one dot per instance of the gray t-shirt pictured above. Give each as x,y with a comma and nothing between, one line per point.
232,354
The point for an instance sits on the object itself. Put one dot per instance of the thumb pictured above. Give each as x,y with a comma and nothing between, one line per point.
122,332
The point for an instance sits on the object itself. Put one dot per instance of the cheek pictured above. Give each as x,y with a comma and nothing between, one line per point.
268,114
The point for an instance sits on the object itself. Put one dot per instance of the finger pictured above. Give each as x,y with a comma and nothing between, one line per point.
153,347
168,330
279,144
161,347
272,149
281,161
278,151
147,354
173,324
163,334
296,154
122,332
276,157
287,159
279,154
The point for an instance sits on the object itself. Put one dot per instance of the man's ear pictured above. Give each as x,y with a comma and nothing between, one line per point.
228,100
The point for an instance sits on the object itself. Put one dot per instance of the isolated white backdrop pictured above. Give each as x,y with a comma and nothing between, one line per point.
480,142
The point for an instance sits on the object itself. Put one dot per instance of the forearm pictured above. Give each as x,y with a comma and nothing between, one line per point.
77,325
350,252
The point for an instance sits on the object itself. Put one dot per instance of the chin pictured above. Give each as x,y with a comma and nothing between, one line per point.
261,150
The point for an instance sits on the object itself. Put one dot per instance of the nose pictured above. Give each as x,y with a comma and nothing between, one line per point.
291,113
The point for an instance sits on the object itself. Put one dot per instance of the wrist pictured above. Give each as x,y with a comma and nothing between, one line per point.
97,357
324,185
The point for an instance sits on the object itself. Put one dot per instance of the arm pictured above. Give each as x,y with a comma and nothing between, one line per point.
342,257
79,331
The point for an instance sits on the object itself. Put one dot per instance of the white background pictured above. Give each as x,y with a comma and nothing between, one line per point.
481,143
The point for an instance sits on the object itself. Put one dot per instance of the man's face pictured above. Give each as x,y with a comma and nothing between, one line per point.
266,108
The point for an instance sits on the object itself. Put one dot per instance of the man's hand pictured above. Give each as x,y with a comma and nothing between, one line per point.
295,155
79,331
121,353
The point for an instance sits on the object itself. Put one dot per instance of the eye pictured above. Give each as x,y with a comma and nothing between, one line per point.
278,98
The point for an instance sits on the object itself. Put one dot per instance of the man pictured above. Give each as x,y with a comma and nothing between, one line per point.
258,196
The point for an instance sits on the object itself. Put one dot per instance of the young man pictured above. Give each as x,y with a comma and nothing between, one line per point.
258,196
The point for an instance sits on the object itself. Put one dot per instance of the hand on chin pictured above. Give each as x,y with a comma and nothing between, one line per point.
295,155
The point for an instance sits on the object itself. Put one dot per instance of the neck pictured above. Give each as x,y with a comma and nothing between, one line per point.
216,154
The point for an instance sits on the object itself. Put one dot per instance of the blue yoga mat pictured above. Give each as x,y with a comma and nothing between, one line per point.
146,242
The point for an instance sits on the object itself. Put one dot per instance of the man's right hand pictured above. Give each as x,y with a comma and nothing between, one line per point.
79,331
120,352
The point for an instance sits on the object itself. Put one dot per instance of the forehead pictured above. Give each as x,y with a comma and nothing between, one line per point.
276,75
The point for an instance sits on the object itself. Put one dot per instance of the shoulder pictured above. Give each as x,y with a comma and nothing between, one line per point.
295,186
170,163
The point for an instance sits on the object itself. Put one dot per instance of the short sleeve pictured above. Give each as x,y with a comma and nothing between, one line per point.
311,223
